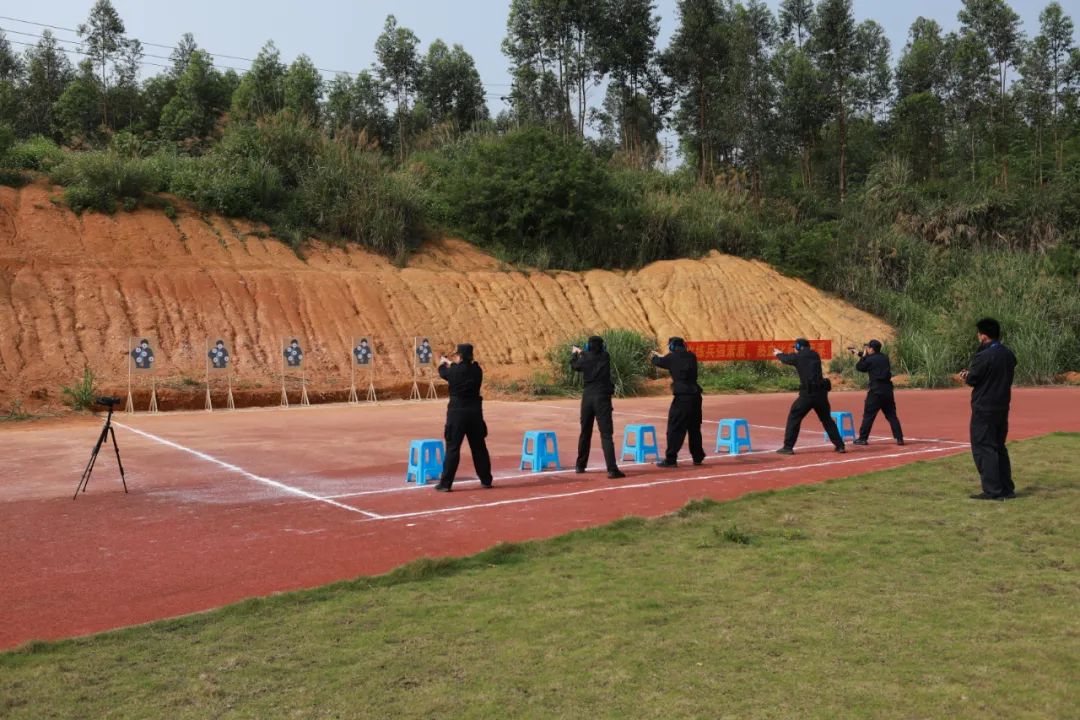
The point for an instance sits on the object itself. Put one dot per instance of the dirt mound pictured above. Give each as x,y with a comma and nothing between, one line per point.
73,289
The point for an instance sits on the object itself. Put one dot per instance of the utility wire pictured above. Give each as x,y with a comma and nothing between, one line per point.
173,47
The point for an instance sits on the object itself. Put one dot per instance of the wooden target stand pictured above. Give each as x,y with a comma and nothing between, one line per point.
129,406
414,392
353,362
304,402
230,404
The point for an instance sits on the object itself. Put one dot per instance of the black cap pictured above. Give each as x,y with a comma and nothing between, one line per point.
465,351
875,344
596,343
802,342
676,342
989,327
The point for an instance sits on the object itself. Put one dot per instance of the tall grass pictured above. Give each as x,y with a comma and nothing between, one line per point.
81,394
629,351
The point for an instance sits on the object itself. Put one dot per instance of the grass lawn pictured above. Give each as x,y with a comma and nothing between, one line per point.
885,595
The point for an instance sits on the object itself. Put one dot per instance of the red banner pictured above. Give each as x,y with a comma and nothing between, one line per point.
734,350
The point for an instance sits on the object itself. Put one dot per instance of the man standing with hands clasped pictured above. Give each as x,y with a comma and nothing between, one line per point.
991,377
684,417
813,395
464,417
879,395
594,364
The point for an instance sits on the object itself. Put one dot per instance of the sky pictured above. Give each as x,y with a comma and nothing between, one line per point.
340,34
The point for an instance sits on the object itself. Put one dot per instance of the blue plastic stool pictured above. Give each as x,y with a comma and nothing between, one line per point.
540,455
425,460
641,448
733,441
845,423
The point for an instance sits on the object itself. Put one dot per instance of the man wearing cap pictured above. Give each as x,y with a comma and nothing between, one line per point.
879,395
990,377
684,416
813,395
464,418
594,364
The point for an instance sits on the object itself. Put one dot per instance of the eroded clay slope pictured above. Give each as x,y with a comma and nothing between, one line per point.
73,289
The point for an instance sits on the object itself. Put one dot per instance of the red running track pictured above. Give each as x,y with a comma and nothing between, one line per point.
231,505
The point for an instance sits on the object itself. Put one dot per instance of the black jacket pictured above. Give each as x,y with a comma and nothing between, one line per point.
683,367
879,370
465,379
991,377
595,369
808,364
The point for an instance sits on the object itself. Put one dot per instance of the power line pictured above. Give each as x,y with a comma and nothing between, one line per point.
173,47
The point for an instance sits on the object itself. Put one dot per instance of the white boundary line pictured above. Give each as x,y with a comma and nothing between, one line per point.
717,422
656,483
250,476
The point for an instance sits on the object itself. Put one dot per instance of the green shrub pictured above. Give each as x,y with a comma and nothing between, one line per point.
36,153
98,180
81,394
13,178
630,365
755,376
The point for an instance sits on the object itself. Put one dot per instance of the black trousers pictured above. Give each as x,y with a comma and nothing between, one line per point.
684,418
461,424
597,409
880,401
819,403
988,433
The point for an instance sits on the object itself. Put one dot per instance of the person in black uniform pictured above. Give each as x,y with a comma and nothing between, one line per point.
990,377
813,395
684,416
879,395
594,364
464,417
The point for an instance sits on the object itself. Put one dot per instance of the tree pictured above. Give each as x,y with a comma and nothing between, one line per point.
126,98
795,19
11,70
303,87
48,73
202,96
999,27
262,87
450,87
398,66
1057,29
835,48
970,87
536,95
77,112
1036,93
627,53
921,89
695,61
875,79
803,105
358,105
754,92
103,40
181,54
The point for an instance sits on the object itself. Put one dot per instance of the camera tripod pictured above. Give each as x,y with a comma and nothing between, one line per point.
106,431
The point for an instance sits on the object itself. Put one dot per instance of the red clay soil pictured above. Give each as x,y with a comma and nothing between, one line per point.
73,289
226,506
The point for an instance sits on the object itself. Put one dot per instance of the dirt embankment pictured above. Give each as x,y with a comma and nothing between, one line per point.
73,290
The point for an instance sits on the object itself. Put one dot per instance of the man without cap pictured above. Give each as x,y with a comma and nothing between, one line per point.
464,417
684,416
813,395
879,395
594,364
990,377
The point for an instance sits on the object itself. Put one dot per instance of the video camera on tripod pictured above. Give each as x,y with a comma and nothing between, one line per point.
106,432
